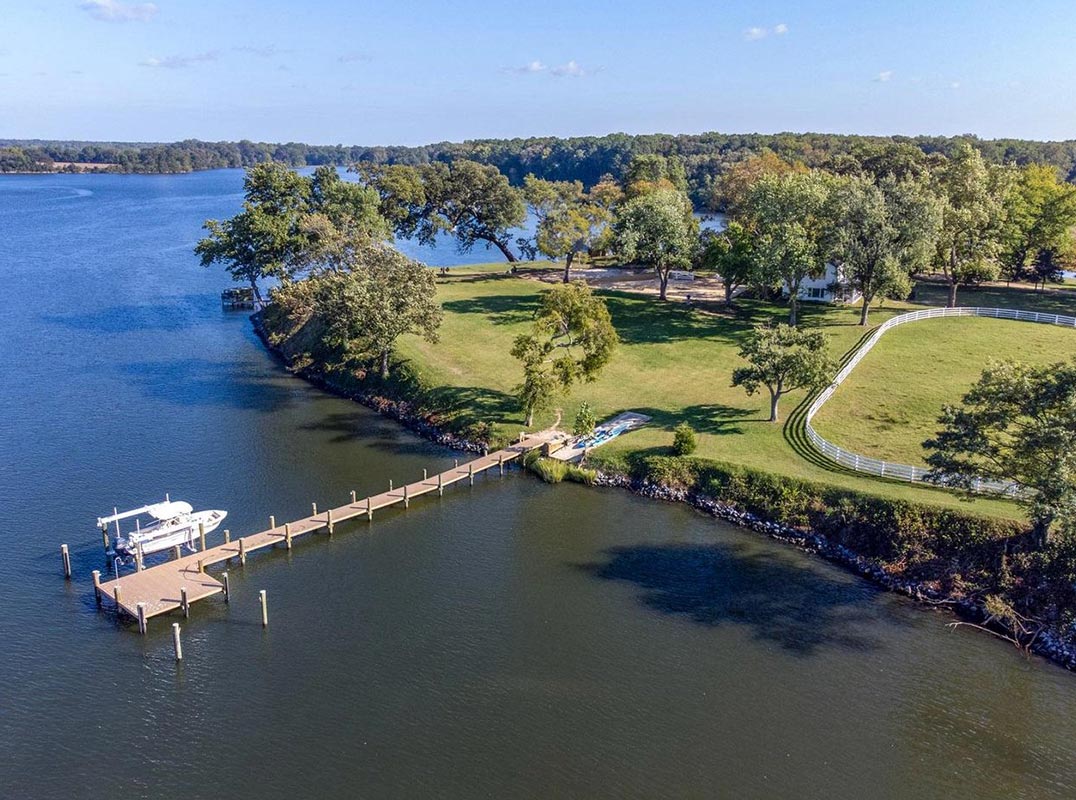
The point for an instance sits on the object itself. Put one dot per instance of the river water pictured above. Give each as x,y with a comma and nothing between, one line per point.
508,640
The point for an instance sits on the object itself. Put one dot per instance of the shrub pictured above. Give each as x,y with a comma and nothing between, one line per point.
684,440
584,420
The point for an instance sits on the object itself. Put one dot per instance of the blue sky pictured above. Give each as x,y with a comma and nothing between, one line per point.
415,72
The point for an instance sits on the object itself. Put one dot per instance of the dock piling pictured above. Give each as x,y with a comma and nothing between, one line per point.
470,472
329,521
440,484
287,534
177,645
407,501
97,587
104,537
201,537
184,603
272,522
352,497
369,509
242,552
142,618
139,564
390,484
500,462
314,509
227,536
65,556
424,474
265,608
177,553
227,587
116,598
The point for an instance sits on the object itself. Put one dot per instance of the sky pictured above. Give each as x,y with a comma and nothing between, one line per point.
416,72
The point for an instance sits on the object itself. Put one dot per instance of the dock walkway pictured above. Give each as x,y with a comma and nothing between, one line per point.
159,589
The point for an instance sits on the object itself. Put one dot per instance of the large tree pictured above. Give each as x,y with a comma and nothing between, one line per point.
572,340
362,308
1018,424
291,224
972,216
469,201
879,233
788,214
658,229
782,358
731,254
735,185
1040,213
569,220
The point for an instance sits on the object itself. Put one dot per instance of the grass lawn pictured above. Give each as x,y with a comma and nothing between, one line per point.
675,364
890,403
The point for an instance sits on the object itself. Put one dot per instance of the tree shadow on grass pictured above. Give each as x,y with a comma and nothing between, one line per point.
712,585
715,418
502,309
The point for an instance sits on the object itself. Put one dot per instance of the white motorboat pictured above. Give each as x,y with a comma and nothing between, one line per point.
167,525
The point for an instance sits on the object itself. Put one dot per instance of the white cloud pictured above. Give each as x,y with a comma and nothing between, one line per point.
116,11
571,69
179,62
755,33
351,58
884,76
530,68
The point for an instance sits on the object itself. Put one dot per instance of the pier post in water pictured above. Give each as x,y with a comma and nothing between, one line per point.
470,472
138,557
440,484
265,608
116,598
390,484
227,587
287,534
177,553
329,521
352,497
184,603
407,502
227,536
272,522
424,474
242,552
65,556
97,587
201,537
369,509
177,645
314,509
500,462
142,618
104,536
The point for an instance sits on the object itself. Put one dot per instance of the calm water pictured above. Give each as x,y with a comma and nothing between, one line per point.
510,640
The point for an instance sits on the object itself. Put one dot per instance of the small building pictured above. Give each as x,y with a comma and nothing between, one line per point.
830,287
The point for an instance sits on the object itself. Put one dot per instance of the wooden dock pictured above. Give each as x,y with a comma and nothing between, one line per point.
165,587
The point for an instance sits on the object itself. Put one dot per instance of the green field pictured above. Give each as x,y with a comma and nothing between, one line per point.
890,403
675,364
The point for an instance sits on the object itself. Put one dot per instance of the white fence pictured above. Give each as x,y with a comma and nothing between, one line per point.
906,472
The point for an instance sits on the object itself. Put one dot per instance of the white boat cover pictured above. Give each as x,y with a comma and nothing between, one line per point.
166,510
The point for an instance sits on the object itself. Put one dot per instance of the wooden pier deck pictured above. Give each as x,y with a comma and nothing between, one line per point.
159,589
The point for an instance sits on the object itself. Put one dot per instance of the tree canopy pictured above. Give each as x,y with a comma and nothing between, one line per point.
659,229
571,340
1018,423
782,358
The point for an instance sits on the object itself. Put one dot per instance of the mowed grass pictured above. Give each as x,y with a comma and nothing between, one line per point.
675,364
890,403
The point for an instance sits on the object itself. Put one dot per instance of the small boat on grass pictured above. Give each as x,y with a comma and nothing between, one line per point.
167,525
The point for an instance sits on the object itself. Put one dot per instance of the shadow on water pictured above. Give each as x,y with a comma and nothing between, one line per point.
714,585
200,382
175,314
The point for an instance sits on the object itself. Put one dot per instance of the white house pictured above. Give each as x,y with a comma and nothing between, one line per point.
830,287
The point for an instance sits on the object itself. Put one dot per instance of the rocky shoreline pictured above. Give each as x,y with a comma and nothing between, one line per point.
1046,643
